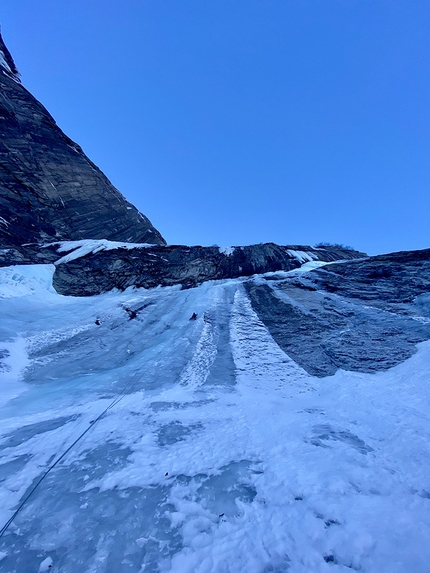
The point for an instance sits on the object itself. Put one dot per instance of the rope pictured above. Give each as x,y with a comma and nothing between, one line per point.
63,455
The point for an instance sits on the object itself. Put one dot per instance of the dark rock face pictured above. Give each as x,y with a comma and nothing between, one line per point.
187,266
49,189
364,315
385,280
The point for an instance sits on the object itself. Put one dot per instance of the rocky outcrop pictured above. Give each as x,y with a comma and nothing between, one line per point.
363,315
172,265
391,281
49,189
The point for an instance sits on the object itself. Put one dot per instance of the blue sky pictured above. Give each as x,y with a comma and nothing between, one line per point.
243,121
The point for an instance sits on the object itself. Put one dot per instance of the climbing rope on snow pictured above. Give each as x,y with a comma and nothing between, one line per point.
114,402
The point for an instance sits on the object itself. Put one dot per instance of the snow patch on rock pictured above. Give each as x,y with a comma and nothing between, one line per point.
302,256
227,250
86,246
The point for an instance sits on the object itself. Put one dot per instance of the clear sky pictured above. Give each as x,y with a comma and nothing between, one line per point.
233,122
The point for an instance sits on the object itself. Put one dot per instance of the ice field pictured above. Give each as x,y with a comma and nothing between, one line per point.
159,444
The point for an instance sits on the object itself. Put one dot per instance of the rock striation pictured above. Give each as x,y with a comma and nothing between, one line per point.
363,315
49,189
148,267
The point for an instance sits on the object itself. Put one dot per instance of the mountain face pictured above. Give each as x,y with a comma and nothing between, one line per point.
49,189
258,409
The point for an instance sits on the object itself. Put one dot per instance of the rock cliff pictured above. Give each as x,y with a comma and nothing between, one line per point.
49,189
179,264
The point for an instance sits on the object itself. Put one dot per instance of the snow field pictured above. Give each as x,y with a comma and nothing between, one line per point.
219,455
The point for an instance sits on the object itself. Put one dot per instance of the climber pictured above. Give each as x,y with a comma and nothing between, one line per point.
194,316
131,313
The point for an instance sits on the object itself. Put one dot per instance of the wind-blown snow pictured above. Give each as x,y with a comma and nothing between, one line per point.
218,453
86,246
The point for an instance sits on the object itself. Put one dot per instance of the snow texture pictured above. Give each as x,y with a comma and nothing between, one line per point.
20,280
227,250
204,448
85,246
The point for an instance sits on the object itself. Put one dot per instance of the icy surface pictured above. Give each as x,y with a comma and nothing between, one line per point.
302,256
204,448
18,281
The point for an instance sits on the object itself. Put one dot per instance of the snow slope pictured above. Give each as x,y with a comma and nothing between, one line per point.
198,446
